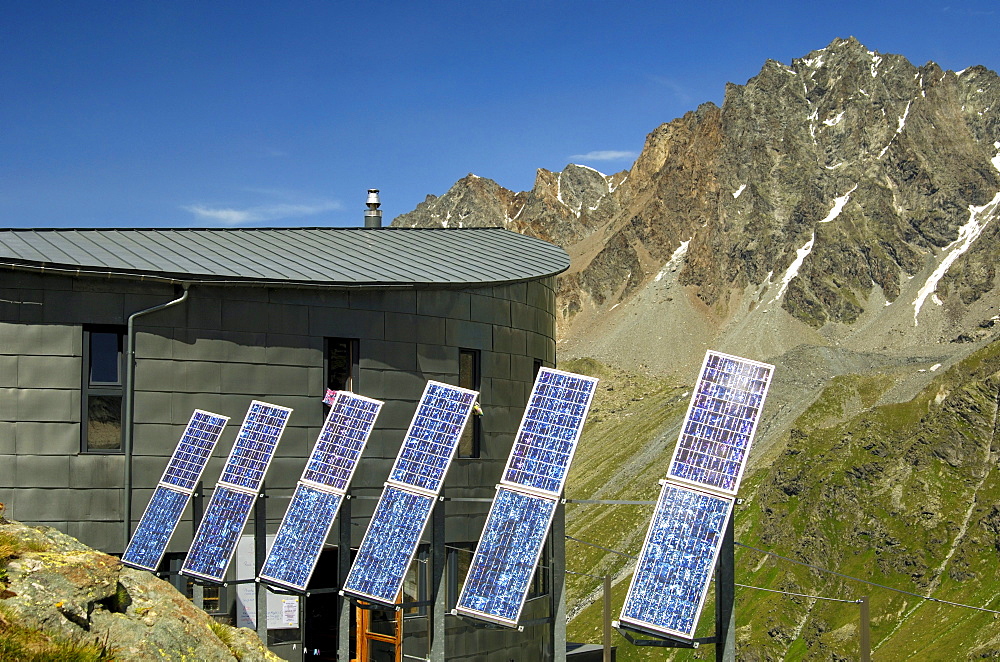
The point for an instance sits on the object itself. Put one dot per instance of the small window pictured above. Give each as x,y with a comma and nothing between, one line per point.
540,580
103,389
535,367
459,559
342,364
468,377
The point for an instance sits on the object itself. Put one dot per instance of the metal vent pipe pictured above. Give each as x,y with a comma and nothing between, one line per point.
373,215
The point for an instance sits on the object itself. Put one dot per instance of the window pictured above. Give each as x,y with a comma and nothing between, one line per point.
540,580
468,377
459,559
341,364
103,389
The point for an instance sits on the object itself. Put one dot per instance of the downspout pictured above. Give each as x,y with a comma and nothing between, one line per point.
129,404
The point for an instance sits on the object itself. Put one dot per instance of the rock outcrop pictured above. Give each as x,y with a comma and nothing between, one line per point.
55,584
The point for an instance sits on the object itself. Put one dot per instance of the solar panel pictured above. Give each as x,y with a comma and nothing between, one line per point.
215,540
676,563
550,428
149,542
319,493
506,557
300,538
193,450
389,545
341,441
433,436
720,423
255,445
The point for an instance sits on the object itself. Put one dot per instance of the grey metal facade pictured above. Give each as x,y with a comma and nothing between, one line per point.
230,343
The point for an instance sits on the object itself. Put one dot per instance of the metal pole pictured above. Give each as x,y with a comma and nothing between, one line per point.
197,512
866,643
260,555
344,567
438,584
558,575
607,618
725,598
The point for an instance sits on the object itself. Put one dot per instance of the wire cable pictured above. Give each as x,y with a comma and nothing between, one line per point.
814,567
798,595
870,583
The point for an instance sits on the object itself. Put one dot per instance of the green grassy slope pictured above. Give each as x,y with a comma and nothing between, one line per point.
906,495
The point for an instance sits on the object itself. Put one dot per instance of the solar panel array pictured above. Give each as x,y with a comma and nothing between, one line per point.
320,491
215,540
229,508
300,538
255,445
678,556
519,520
163,513
416,478
432,438
550,429
500,575
675,566
720,423
389,545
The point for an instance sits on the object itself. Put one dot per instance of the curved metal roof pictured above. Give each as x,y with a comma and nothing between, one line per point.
301,256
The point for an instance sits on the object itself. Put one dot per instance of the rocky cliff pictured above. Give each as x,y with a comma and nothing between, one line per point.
850,192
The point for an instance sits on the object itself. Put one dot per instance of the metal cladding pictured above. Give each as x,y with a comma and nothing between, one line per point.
163,513
521,515
682,543
320,491
215,540
416,478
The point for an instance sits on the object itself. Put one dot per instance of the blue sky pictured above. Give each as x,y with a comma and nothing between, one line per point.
231,114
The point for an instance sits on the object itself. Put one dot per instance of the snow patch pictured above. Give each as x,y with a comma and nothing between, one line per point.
740,190
901,122
591,169
793,269
838,205
813,62
835,120
835,166
996,159
934,367
876,61
674,260
979,218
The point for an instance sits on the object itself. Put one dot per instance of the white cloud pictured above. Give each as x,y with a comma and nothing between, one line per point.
605,155
264,213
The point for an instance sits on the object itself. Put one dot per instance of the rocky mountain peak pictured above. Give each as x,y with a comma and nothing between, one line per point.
848,196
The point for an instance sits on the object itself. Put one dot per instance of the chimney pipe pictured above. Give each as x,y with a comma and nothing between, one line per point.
373,215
